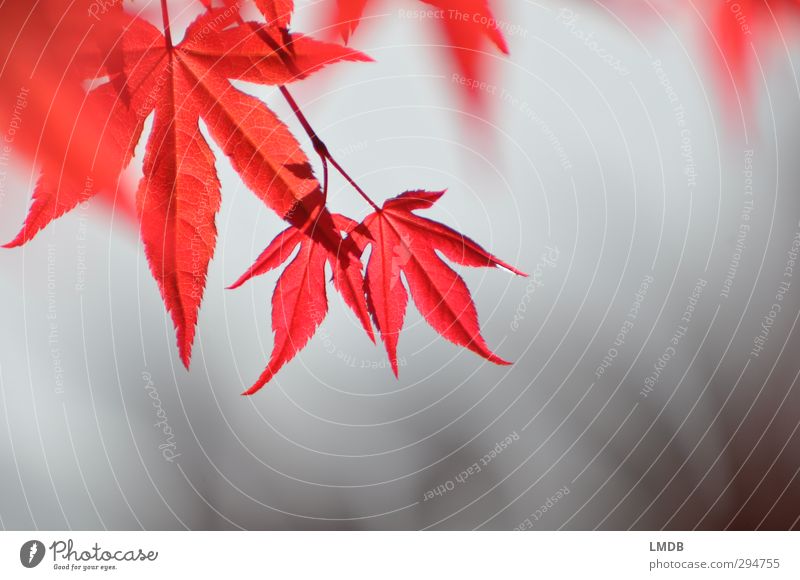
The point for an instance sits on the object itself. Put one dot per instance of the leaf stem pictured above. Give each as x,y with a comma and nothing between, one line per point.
318,144
352,182
320,147
325,179
165,18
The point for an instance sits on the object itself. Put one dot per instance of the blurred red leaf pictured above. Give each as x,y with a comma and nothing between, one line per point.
742,29
733,33
45,115
469,28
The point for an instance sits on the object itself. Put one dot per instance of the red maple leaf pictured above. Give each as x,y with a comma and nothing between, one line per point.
138,72
403,242
300,303
179,194
468,26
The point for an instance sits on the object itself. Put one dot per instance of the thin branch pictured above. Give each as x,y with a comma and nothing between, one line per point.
316,142
165,18
325,179
321,148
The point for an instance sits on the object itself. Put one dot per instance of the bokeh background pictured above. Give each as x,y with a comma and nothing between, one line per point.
631,192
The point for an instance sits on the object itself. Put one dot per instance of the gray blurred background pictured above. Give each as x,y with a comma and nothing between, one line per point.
621,189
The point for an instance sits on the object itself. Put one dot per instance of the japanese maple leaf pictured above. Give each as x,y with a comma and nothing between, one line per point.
179,194
468,25
300,303
403,242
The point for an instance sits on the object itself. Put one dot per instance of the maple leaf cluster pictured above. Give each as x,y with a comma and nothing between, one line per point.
139,73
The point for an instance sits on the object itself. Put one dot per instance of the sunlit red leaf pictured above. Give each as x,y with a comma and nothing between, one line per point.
469,28
300,303
403,242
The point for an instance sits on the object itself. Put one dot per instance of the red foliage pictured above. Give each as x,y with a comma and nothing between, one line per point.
140,72
179,194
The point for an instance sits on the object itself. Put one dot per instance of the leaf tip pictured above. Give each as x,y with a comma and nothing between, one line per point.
20,239
186,355
512,269
265,377
493,358
257,386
